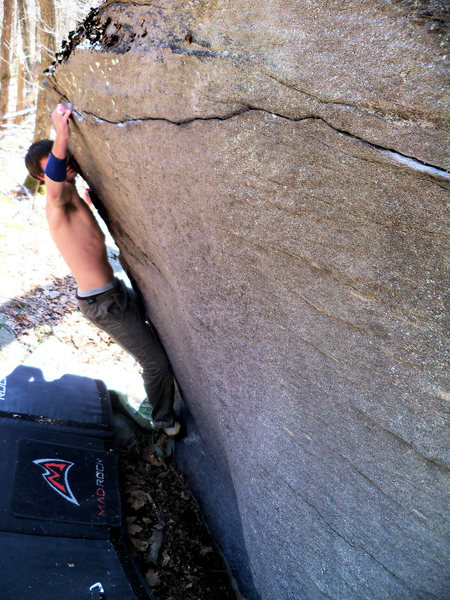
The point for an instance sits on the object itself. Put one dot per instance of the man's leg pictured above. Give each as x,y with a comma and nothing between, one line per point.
117,313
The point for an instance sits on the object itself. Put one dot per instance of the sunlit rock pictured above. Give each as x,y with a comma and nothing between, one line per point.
275,176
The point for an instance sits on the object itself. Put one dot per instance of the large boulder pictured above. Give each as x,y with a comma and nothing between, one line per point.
275,176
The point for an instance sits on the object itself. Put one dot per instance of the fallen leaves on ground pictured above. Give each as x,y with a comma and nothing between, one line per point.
166,531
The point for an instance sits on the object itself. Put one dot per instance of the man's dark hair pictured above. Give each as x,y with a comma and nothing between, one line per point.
36,152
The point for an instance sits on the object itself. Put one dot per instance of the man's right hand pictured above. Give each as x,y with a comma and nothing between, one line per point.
60,118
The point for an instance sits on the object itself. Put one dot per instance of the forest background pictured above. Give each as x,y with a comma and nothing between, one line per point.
31,34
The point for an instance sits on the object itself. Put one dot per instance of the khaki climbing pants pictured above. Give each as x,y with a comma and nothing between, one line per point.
117,313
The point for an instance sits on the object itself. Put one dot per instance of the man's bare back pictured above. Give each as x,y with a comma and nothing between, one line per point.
72,225
79,239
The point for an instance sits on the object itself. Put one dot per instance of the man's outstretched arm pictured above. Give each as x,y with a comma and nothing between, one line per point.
55,171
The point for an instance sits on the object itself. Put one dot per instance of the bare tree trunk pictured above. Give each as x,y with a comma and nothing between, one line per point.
21,91
24,27
5,54
47,25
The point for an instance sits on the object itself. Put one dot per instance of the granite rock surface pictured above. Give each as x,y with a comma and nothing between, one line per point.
275,175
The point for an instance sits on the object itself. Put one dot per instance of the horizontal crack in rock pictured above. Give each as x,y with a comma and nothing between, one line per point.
393,155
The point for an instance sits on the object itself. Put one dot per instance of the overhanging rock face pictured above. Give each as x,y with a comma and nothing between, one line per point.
275,176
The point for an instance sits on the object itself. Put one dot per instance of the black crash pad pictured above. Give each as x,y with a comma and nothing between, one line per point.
65,483
71,403
59,501
33,567
50,514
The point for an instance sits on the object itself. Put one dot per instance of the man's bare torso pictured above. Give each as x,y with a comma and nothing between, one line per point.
79,239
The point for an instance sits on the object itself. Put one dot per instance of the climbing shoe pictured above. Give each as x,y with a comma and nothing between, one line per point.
174,431
142,415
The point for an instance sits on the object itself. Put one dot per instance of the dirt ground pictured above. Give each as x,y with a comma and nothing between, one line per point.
166,531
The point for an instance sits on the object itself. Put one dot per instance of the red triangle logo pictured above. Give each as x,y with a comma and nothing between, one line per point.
56,475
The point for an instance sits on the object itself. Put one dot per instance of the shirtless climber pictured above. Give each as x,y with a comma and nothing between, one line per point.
102,298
